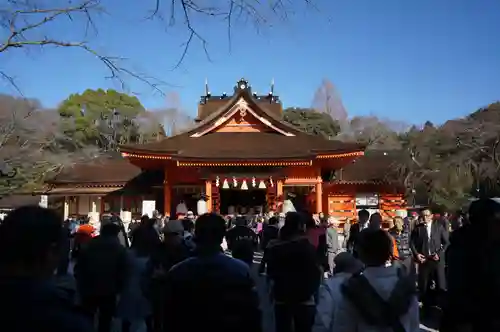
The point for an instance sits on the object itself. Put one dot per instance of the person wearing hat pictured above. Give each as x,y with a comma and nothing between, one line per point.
101,273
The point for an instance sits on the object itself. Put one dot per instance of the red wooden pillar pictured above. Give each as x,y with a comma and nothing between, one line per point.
167,195
215,198
271,197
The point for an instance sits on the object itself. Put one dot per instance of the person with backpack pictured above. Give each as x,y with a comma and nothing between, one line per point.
380,298
345,265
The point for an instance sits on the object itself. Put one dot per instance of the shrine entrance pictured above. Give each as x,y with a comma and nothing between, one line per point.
237,201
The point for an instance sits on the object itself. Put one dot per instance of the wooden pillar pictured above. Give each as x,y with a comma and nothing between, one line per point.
215,198
271,198
93,203
66,208
279,195
279,189
208,192
167,195
319,195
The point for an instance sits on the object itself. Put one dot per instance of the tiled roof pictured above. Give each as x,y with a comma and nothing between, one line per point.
112,171
255,146
374,166
240,145
15,201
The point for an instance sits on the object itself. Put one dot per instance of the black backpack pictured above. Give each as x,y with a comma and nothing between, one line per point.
374,310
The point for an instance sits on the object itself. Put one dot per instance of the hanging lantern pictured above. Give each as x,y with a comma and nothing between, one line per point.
271,181
253,182
225,184
235,182
217,181
244,185
262,184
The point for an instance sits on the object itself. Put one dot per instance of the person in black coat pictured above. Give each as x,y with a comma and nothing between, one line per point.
363,217
31,238
242,241
62,269
270,232
211,291
293,269
473,260
428,244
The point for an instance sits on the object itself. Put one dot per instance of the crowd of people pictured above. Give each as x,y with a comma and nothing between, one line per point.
174,275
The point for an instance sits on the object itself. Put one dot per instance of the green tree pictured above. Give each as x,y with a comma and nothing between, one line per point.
312,122
104,118
453,162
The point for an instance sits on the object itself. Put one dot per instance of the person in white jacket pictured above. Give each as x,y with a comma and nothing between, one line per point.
337,313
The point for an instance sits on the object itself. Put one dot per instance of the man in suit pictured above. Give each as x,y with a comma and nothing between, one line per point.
363,217
428,244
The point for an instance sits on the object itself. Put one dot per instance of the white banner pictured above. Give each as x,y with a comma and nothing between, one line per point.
148,207
44,201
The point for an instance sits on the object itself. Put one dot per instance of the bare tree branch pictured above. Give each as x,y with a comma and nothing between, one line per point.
259,13
25,21
21,18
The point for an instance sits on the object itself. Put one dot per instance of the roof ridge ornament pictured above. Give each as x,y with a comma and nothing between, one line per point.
207,90
242,84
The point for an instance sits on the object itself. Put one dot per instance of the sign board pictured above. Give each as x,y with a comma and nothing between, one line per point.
361,200
367,200
372,200
148,207
44,201
126,216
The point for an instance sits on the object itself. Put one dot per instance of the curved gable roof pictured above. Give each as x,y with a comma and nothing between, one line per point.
284,142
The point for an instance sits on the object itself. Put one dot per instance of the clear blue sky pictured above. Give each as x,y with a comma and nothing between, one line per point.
402,59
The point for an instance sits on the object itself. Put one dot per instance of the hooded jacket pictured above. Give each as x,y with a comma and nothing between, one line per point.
338,314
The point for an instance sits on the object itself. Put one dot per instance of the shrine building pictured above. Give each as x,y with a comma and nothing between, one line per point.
241,155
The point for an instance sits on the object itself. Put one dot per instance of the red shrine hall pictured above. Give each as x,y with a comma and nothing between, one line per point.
243,157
